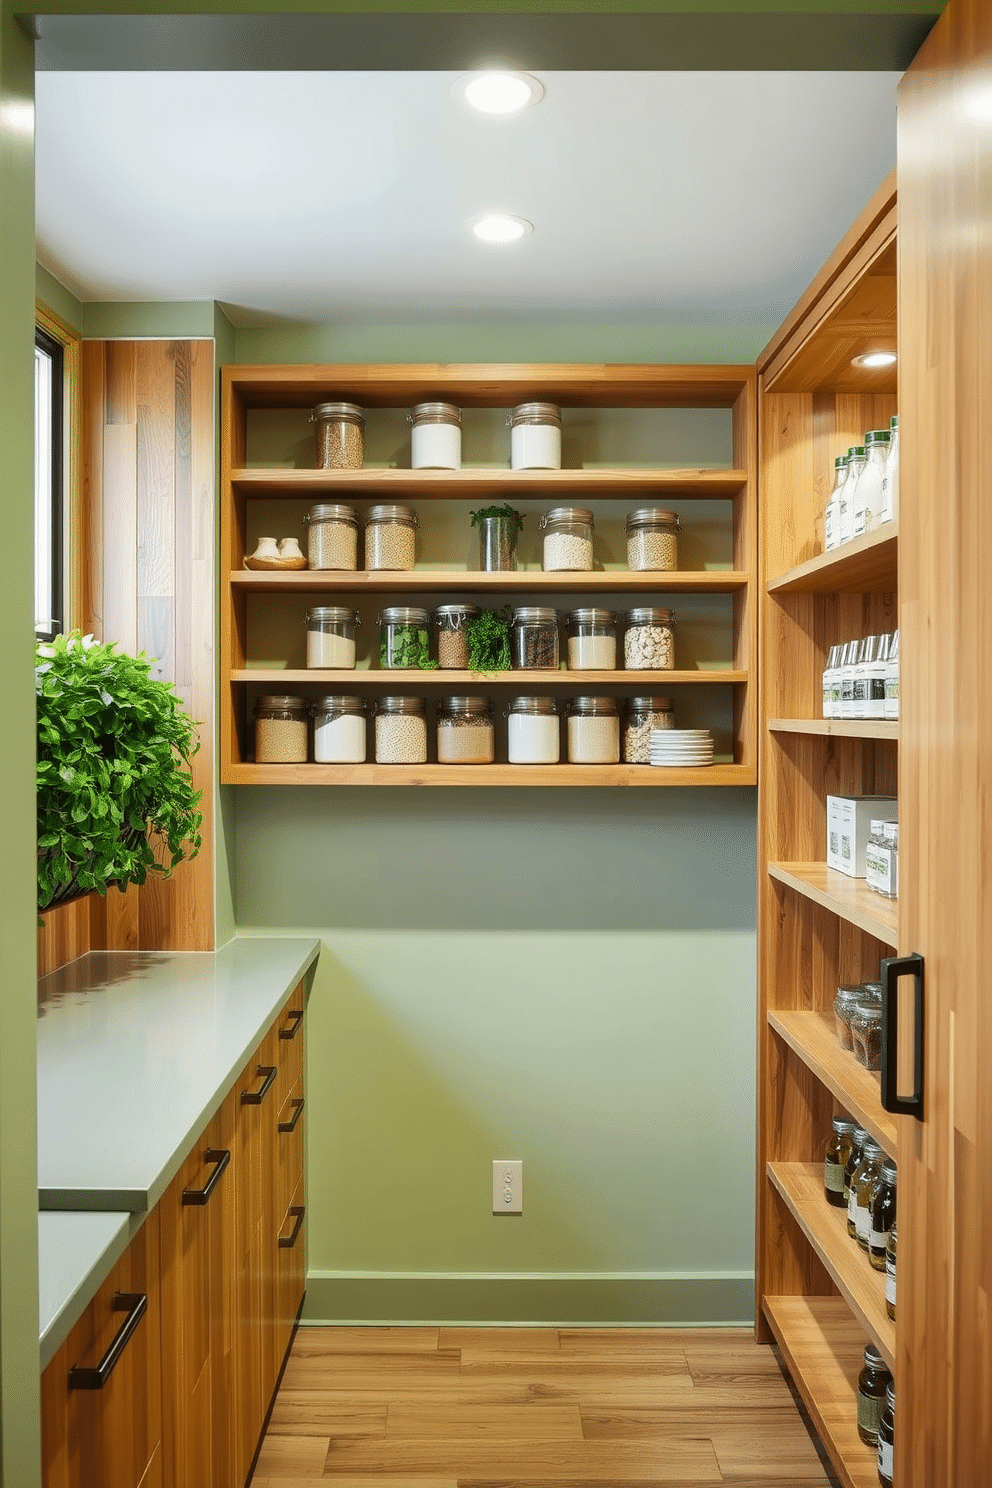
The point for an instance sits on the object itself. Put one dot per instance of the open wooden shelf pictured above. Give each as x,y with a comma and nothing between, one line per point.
866,565
823,1348
440,485
479,775
850,898
403,679
801,1187
813,1037
837,728
467,581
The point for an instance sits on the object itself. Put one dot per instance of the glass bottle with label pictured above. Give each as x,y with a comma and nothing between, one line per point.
890,1273
869,1175
858,1139
892,677
868,491
835,1159
829,675
831,514
845,516
852,1177
848,668
890,479
887,1436
883,1215
872,1382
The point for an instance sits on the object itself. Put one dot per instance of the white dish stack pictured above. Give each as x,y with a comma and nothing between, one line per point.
681,748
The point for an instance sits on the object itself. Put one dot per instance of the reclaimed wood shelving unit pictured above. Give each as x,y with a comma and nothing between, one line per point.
244,671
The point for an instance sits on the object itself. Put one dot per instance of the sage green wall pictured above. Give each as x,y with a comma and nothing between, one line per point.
54,294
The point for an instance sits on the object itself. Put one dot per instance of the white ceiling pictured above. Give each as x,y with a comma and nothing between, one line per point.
347,196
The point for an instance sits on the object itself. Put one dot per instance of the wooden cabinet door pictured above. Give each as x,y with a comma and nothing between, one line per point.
944,1337
109,1436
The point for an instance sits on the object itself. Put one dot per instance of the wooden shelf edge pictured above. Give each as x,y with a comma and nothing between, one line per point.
813,1038
848,898
866,565
718,581
801,1187
841,728
487,775
403,680
822,1347
440,485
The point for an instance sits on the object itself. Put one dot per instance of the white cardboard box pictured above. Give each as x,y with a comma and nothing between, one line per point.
849,820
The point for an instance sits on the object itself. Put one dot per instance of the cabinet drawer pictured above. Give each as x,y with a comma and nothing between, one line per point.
109,1434
290,1269
290,1038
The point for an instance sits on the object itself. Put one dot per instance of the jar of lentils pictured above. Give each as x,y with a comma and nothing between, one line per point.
533,731
465,731
332,536
452,635
593,730
567,539
390,537
281,732
534,638
435,436
649,641
339,436
331,637
339,730
401,731
652,539
592,641
644,714
535,437
404,639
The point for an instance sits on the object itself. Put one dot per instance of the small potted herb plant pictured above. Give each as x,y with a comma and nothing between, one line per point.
498,527
115,792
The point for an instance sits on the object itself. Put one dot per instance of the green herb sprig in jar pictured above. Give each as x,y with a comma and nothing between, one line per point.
499,527
406,646
489,642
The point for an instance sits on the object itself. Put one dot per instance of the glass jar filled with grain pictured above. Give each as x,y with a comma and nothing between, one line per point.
401,731
534,638
404,638
339,436
592,641
332,536
331,637
281,732
452,635
465,734
567,539
652,539
390,538
649,640
843,1008
642,715
593,731
533,732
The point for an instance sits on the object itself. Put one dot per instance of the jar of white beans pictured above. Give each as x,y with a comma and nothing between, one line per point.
652,539
649,640
593,731
401,731
567,539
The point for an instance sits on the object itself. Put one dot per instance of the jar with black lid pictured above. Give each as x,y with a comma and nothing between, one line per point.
835,1159
882,1215
534,638
872,1383
887,1436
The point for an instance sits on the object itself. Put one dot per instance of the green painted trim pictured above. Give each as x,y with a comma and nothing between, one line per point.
650,1300
134,320
54,294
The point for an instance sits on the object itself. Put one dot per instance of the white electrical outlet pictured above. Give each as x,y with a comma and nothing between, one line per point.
508,1186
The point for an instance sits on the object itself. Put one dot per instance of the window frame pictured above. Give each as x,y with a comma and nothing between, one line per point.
44,341
53,331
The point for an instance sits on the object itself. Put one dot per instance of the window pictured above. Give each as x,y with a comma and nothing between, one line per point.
49,464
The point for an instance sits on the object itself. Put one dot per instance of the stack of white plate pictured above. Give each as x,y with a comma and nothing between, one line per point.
681,748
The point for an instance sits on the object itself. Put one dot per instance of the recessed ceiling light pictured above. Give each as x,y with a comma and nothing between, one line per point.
874,359
502,92
497,228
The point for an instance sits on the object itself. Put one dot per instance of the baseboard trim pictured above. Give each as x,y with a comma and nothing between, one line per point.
650,1300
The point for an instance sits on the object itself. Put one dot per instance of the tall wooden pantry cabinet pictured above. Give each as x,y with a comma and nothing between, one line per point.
924,270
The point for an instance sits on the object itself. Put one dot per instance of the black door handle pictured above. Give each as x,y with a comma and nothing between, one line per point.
255,1097
290,1033
221,1157
299,1210
82,1378
290,1125
893,967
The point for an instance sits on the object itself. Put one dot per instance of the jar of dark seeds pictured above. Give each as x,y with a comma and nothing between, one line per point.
281,730
452,635
843,1008
465,731
332,536
866,1031
642,715
534,638
339,436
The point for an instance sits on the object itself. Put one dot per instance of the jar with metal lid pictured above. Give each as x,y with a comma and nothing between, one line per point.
452,635
642,715
332,536
404,639
331,636
567,539
866,1030
535,437
533,731
887,1436
882,1215
281,730
339,730
534,638
835,1159
652,539
499,527
465,734
339,435
869,1175
858,1139
891,1248
401,731
390,538
649,640
435,436
592,641
872,1383
593,731
843,1008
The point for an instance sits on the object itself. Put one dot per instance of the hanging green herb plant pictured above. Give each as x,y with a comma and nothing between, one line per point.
489,642
498,529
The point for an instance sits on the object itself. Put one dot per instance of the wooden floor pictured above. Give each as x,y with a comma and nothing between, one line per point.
528,1407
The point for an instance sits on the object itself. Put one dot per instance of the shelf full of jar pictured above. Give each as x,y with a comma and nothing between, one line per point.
405,679
437,485
539,580
235,772
813,1037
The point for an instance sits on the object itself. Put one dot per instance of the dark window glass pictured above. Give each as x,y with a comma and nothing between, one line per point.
49,603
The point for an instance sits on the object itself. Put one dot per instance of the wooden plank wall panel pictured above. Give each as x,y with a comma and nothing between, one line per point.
944,1345
149,520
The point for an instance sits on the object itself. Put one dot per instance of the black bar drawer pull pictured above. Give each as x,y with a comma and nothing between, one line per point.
290,1033
298,1103
287,1242
221,1157
892,969
134,1304
255,1097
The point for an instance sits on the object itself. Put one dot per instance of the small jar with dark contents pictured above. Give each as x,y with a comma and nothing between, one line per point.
887,1436
835,1159
872,1383
883,1215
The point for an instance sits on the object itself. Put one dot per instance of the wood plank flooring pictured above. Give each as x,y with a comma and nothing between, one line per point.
530,1407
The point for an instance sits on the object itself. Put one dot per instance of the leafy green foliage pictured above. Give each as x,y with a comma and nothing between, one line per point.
115,793
409,646
489,642
505,513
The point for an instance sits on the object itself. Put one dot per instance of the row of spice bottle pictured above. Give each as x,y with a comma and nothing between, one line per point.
865,493
876,1399
391,538
405,639
465,730
436,436
861,678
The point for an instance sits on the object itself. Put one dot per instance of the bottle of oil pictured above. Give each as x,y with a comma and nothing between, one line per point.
887,1436
883,1215
890,1273
868,1175
872,1383
835,1159
851,1176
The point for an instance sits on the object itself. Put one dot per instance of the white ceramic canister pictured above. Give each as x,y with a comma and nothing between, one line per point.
339,730
533,731
435,437
535,437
